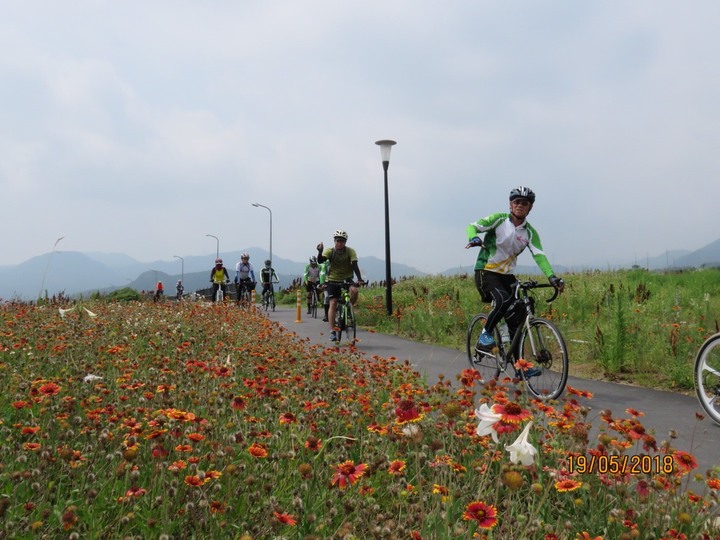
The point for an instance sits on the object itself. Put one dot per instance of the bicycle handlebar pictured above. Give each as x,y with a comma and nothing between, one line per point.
532,284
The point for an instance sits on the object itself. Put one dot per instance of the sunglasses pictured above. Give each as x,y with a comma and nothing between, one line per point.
521,202
340,240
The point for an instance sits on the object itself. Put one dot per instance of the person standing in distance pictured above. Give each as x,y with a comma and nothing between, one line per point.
342,263
506,236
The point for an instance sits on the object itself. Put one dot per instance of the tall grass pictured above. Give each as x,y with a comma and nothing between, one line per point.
635,326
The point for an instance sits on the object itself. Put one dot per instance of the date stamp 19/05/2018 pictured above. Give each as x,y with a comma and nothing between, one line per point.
624,464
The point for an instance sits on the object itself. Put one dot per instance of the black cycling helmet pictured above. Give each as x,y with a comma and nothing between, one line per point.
522,192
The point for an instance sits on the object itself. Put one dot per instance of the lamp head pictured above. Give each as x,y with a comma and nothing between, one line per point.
385,147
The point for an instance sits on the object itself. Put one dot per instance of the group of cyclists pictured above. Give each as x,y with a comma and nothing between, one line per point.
505,236
244,277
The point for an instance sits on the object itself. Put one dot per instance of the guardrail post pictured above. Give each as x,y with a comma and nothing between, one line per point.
298,307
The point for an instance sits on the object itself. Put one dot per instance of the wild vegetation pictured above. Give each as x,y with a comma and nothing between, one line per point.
633,326
126,419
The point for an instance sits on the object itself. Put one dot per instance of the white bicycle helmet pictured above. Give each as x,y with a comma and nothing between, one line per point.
522,192
340,234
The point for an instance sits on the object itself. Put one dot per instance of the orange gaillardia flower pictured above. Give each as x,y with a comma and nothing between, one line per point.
194,480
49,389
284,518
288,418
685,461
396,467
485,515
511,412
258,450
406,411
347,473
313,443
567,485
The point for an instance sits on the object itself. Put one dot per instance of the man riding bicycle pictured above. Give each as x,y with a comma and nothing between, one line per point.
506,236
268,277
244,275
343,262
311,279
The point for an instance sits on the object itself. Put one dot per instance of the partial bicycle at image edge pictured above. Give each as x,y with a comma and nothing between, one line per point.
537,348
707,377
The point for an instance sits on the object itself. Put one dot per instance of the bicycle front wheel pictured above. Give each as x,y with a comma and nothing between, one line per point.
707,377
544,347
349,330
484,363
313,304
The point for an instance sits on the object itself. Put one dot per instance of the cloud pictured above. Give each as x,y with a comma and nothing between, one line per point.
168,119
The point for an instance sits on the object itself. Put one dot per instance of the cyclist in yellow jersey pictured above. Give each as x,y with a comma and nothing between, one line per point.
218,276
343,262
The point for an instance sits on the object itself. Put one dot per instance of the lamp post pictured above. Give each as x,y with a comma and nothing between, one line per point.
256,205
217,240
385,147
42,285
182,268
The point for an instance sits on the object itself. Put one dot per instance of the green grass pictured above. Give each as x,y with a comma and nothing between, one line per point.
632,326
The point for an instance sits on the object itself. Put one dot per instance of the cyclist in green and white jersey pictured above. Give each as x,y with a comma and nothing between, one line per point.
311,279
506,236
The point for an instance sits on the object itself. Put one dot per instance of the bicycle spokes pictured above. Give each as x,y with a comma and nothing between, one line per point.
707,377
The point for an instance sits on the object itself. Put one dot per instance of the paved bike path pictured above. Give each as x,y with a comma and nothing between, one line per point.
664,411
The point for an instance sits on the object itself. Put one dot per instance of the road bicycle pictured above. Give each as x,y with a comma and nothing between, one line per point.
268,298
707,377
244,292
220,295
314,300
345,323
537,341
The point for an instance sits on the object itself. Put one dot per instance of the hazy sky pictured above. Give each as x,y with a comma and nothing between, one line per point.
139,127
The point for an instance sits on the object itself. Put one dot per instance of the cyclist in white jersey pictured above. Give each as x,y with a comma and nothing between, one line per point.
506,236
244,274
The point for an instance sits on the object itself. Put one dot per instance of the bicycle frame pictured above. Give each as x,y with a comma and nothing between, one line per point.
347,323
536,340
521,295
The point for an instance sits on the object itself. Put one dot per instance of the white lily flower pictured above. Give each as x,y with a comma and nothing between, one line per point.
90,377
64,311
521,450
488,418
89,312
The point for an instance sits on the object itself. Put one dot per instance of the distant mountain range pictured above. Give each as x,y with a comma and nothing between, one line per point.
84,273
76,273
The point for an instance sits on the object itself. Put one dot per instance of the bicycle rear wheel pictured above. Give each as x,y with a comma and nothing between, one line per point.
544,347
485,364
707,377
349,331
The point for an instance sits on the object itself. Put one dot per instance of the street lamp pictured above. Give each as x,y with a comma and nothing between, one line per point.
182,268
217,240
385,147
256,205
42,285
